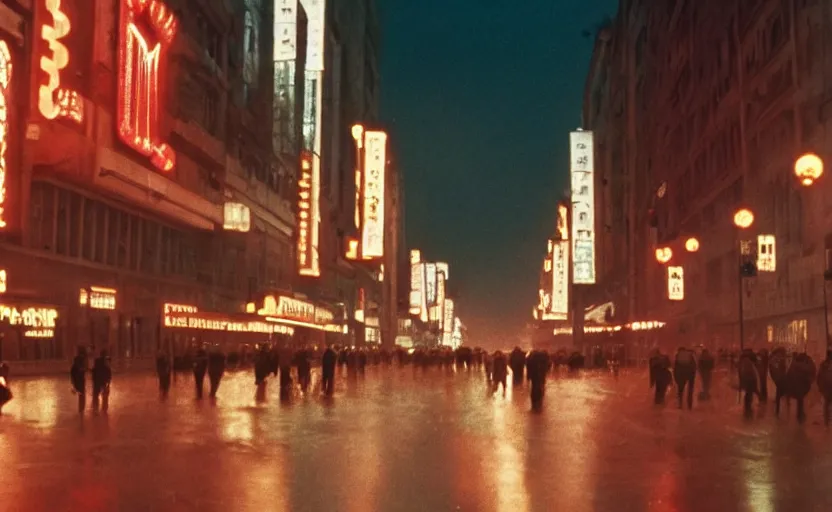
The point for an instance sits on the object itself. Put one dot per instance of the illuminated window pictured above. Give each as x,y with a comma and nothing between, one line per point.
147,27
5,89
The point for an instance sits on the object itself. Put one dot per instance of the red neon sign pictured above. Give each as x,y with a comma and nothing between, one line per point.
147,28
5,86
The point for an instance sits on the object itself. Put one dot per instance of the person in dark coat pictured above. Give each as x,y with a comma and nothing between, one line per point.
78,377
661,377
684,372
499,371
216,369
706,371
825,385
537,367
102,376
748,378
262,369
304,369
799,379
163,371
762,374
5,393
328,362
200,368
517,361
778,367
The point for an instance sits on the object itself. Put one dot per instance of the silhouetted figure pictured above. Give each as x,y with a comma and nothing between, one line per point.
778,367
216,369
328,362
762,374
304,369
684,372
660,377
200,368
102,376
78,377
517,361
538,366
5,393
706,371
362,360
576,362
799,379
825,385
262,369
748,378
499,372
163,371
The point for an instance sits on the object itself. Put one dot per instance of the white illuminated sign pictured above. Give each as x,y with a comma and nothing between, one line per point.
236,217
375,164
285,30
417,278
442,268
675,283
560,280
430,283
316,16
583,207
436,311
766,253
448,323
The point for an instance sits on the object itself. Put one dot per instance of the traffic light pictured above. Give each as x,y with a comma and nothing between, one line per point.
748,269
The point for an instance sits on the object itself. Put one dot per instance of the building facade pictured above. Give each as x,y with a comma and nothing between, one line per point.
714,101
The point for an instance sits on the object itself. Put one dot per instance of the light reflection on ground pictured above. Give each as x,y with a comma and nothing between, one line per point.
405,440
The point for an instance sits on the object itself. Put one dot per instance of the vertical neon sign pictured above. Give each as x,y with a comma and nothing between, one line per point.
138,77
5,86
53,100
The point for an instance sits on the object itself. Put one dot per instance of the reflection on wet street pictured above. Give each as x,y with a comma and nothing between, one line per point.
404,440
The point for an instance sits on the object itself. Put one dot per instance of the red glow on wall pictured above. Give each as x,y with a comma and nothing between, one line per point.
5,86
147,30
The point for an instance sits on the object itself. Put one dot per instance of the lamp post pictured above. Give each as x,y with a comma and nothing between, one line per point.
808,168
743,219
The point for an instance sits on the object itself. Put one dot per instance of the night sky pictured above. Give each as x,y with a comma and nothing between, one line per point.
480,96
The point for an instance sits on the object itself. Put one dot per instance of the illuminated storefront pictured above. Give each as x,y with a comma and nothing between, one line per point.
28,330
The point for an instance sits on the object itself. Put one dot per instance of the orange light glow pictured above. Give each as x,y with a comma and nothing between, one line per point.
5,87
139,80
54,101
743,218
352,249
664,254
692,244
808,168
251,308
3,282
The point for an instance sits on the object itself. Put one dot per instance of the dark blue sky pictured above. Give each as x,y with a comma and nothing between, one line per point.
480,96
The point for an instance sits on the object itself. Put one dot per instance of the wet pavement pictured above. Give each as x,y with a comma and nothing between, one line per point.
404,440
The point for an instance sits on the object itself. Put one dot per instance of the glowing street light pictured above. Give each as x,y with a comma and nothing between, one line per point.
663,254
808,168
692,244
743,218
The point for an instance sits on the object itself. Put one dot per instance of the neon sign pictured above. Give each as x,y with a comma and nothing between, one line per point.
375,163
53,100
308,260
5,85
39,318
138,78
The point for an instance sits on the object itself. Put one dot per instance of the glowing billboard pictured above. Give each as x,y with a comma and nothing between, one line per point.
766,253
375,164
675,283
430,283
417,279
285,30
308,196
583,207
316,16
559,306
55,101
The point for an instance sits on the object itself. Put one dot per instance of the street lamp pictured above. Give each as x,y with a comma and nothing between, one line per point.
692,244
743,219
808,168
664,254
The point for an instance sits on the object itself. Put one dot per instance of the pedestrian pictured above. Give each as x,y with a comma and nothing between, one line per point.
748,378
825,385
762,372
5,393
78,377
499,372
163,371
684,372
799,379
216,369
517,361
199,369
304,369
102,375
778,367
538,366
328,362
706,371
661,377
262,369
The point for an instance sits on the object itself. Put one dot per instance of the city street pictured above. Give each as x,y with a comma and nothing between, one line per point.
406,440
